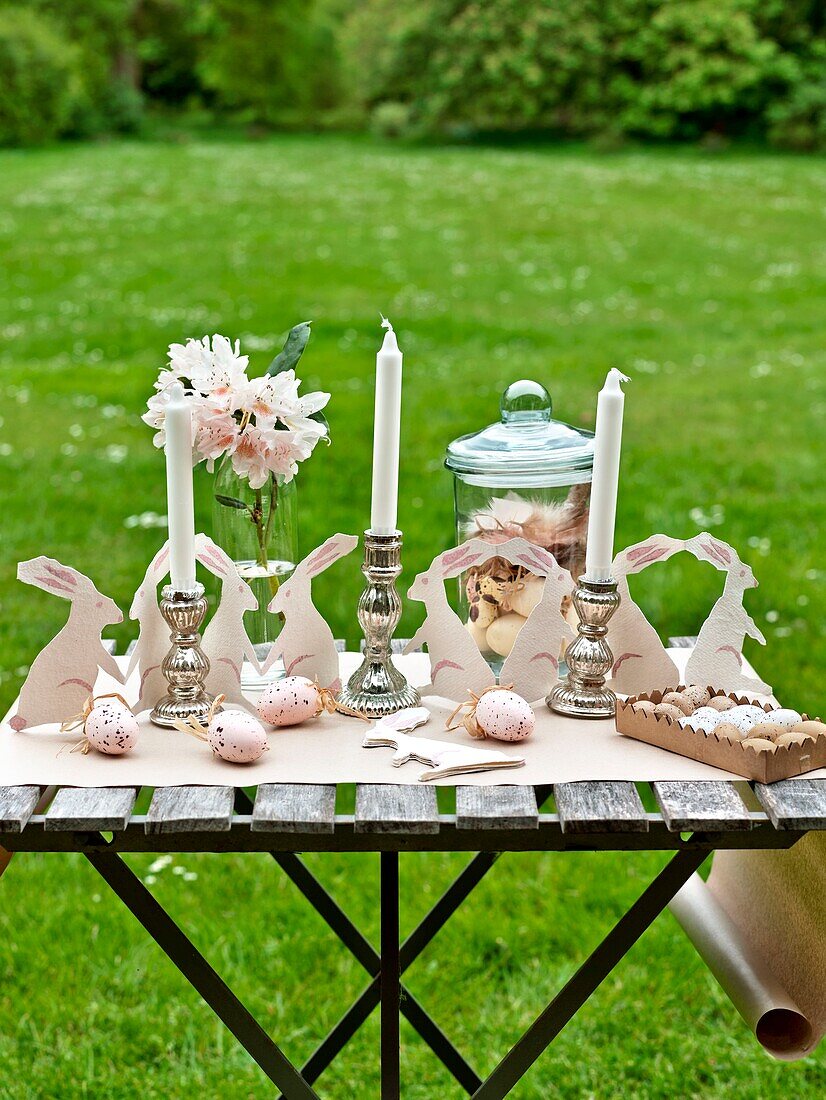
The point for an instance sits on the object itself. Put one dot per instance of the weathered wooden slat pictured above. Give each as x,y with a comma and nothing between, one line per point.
701,806
599,807
294,808
798,804
90,808
190,810
387,808
16,807
505,807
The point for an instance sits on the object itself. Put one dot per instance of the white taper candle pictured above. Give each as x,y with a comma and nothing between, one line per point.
599,552
384,504
179,503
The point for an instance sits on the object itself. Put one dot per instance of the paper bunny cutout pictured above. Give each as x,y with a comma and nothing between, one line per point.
456,665
717,657
153,634
225,642
445,758
532,666
306,643
63,674
641,662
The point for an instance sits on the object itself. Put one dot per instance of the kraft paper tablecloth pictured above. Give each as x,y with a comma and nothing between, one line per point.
328,750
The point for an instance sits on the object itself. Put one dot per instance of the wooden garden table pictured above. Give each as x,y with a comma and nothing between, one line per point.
693,820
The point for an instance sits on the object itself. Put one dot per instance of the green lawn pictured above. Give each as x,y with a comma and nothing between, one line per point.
701,277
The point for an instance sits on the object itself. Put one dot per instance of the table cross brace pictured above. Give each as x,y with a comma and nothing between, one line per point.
338,921
200,974
590,975
386,968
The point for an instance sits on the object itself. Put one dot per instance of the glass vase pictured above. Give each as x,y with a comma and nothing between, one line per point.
258,528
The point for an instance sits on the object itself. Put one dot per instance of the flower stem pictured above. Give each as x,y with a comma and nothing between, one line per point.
263,530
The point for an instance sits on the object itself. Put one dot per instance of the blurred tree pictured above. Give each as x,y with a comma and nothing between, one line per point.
651,68
274,59
170,38
698,65
663,69
102,33
39,78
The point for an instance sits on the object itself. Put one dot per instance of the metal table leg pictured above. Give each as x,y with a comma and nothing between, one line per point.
390,977
201,975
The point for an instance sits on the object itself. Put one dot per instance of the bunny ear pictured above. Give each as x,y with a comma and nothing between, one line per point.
453,562
337,546
161,558
50,575
707,548
539,560
212,556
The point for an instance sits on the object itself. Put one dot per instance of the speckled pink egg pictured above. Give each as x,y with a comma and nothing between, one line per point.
505,715
289,701
237,737
111,728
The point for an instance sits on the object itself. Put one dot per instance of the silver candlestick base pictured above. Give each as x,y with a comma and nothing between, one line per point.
377,687
583,694
185,666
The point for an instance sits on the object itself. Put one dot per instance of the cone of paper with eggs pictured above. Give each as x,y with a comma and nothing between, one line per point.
456,663
761,765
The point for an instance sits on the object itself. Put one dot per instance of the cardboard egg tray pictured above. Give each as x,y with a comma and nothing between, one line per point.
764,767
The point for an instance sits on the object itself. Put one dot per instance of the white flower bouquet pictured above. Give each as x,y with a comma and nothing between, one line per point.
261,423
262,426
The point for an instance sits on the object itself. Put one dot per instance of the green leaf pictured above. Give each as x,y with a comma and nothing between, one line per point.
322,419
293,349
230,502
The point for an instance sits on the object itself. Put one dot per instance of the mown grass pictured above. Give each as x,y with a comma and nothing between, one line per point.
701,277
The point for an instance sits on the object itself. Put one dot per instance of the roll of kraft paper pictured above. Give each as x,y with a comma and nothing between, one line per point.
776,898
777,1022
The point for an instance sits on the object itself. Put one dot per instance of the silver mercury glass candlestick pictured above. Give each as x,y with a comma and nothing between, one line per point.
583,694
185,665
377,687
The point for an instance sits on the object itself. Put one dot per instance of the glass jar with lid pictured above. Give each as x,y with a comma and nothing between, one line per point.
527,475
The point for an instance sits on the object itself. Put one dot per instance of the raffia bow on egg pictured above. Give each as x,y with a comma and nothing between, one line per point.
468,718
233,735
328,703
78,721
193,727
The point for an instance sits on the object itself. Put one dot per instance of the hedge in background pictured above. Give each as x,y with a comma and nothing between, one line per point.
272,60
39,82
646,68
99,40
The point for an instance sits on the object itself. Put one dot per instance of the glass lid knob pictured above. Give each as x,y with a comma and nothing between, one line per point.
525,402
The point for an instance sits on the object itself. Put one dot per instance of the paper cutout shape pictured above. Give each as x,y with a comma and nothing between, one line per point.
718,655
153,634
456,665
641,662
445,758
63,674
532,666
306,643
225,641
